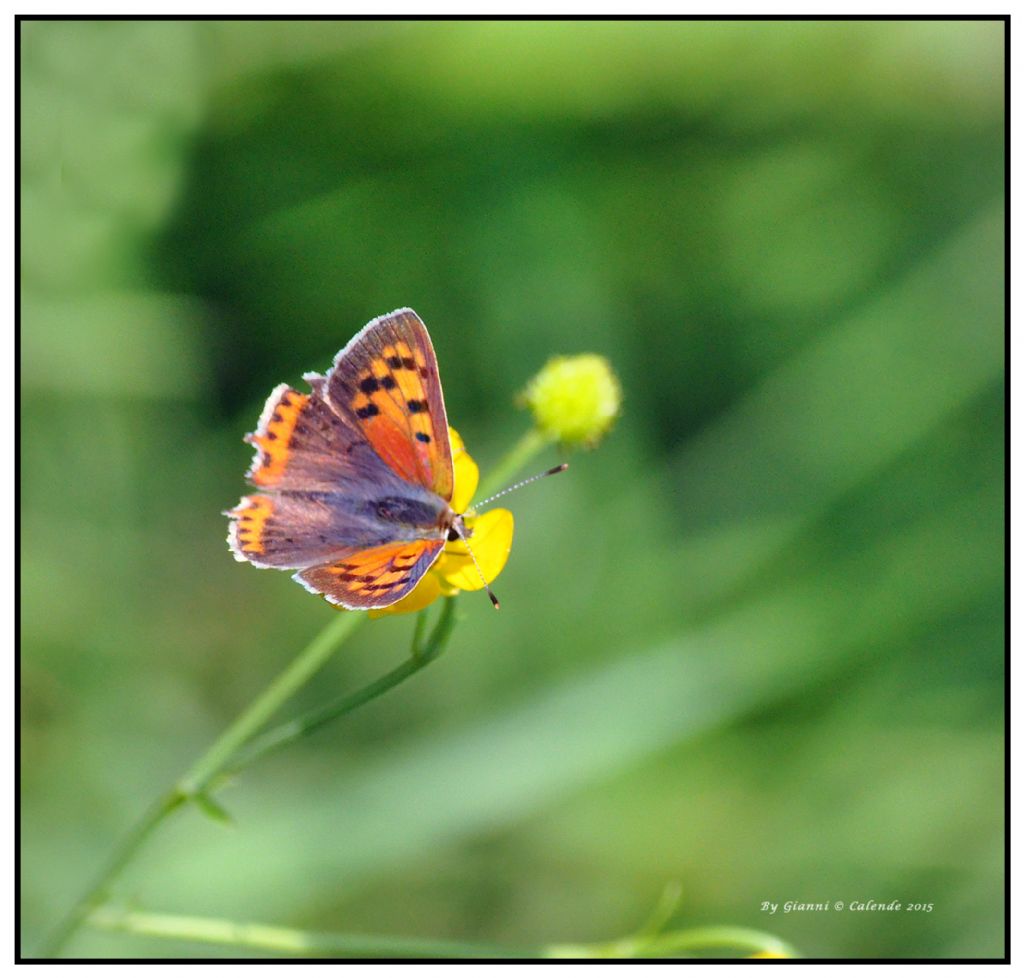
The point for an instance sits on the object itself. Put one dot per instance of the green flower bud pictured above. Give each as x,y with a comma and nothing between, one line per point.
574,400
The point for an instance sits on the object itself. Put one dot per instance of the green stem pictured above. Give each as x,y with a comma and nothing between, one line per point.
532,443
195,780
310,661
121,856
686,942
286,940
291,941
300,727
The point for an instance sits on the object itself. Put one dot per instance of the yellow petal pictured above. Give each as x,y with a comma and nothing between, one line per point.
467,475
491,543
426,592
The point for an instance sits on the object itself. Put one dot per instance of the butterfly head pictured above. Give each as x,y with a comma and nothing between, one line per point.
457,529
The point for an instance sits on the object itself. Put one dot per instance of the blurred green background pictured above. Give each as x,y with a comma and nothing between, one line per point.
753,643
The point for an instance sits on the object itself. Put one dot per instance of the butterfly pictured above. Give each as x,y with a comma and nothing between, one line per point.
356,477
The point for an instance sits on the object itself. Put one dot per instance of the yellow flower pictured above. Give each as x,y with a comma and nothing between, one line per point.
575,400
453,571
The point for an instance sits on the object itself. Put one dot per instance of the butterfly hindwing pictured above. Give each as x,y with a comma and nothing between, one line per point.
372,578
284,530
385,382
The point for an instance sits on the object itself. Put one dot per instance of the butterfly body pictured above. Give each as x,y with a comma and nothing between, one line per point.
356,476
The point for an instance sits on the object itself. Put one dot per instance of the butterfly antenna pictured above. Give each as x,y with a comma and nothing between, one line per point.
487,587
519,485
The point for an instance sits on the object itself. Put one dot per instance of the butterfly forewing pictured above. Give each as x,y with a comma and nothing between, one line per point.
303,444
386,383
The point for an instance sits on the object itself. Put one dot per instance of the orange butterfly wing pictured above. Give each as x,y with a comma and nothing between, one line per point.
373,578
386,383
